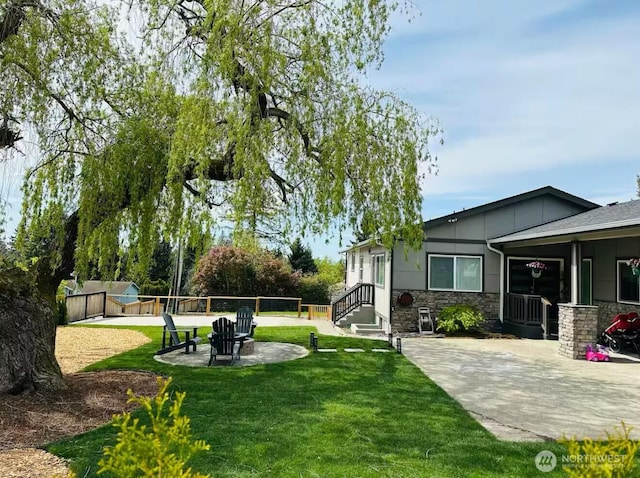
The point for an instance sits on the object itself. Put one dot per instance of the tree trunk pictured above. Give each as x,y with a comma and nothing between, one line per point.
27,341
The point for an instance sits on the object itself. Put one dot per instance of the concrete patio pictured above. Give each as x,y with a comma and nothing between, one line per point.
524,390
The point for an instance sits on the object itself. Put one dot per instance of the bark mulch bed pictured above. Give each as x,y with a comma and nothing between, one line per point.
29,421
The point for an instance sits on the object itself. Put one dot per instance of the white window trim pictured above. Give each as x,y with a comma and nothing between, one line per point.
618,288
455,256
375,269
353,262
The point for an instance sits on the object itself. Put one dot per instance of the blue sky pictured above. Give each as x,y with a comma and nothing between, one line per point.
529,94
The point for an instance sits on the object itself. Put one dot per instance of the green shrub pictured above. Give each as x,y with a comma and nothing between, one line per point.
610,458
61,312
314,290
459,317
160,450
154,287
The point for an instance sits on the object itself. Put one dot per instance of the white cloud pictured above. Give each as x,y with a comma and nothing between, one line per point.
518,100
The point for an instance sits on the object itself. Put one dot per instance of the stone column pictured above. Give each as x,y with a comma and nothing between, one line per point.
577,326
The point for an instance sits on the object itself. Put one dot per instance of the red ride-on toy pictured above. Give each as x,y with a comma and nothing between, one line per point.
597,353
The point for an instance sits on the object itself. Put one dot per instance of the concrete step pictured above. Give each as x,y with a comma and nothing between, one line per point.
366,329
363,315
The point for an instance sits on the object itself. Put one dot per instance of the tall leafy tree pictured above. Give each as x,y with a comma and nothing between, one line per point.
331,270
227,111
301,258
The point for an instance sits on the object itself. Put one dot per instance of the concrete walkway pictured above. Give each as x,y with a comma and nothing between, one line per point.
524,390
325,327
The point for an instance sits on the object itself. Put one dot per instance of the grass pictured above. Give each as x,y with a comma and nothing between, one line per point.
326,415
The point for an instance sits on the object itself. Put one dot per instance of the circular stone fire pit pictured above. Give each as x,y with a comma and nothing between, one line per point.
248,347
253,353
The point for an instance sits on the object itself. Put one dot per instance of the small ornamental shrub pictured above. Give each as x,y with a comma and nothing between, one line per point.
459,317
614,457
159,450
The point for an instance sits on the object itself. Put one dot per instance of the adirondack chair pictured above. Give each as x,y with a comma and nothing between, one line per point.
223,340
171,338
244,321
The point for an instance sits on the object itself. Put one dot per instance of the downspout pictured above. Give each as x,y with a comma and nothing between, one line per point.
501,254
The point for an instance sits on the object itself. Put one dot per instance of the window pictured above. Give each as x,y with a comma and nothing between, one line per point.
353,261
628,286
461,273
378,268
361,270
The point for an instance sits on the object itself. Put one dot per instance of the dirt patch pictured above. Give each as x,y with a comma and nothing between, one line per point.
31,463
91,399
77,347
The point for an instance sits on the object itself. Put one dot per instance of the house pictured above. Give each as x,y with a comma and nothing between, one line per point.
479,257
124,292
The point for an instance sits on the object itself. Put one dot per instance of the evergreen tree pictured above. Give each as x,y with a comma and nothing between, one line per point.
301,258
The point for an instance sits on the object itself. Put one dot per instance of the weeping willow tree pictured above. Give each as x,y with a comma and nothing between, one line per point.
204,113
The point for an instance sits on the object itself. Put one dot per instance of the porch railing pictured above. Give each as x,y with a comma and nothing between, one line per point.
354,297
525,309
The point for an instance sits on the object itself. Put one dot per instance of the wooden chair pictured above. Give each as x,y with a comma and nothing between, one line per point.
171,337
223,341
426,325
244,321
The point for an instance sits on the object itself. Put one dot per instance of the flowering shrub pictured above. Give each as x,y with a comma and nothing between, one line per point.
537,265
633,262
230,270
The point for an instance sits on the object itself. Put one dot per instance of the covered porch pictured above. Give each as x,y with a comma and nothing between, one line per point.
586,264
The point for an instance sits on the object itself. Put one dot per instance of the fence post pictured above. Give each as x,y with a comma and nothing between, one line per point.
257,305
208,306
310,311
299,307
86,305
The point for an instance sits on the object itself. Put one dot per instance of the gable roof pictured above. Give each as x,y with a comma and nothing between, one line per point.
616,220
547,190
113,287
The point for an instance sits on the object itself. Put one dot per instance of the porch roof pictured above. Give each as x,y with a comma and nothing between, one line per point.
606,222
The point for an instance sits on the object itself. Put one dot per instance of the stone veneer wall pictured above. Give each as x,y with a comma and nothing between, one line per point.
577,326
405,319
608,310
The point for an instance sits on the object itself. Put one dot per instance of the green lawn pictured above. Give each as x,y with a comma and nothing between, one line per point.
340,414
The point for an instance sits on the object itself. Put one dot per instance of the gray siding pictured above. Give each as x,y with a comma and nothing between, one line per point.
506,220
411,273
605,253
452,237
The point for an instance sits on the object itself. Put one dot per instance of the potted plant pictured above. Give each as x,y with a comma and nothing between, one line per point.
635,266
536,268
